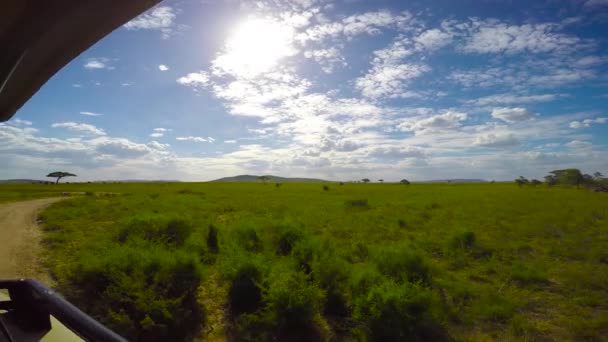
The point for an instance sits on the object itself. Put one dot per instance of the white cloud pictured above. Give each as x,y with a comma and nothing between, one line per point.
156,135
587,123
20,122
126,84
389,76
196,139
76,85
79,127
98,63
229,141
163,67
433,39
512,99
497,141
493,36
511,115
158,146
161,18
194,79
327,58
90,114
447,120
578,144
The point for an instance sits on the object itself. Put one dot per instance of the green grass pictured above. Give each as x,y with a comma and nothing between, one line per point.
355,262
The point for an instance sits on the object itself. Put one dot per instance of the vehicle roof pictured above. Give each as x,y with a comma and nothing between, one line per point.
39,37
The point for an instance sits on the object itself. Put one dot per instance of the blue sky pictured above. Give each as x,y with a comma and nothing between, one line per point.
201,89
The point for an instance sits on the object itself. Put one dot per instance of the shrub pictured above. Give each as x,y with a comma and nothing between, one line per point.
248,238
395,312
89,193
292,301
212,242
325,188
142,294
156,228
287,236
331,273
403,264
245,293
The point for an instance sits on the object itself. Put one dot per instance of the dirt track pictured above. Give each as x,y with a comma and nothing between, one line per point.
20,240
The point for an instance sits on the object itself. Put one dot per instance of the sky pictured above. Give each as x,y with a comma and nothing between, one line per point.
195,90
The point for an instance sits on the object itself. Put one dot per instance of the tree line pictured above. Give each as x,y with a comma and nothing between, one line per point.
571,177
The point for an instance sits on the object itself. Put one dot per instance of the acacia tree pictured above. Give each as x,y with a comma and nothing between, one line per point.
264,179
365,180
521,181
59,175
598,176
569,177
404,181
381,180
550,180
535,182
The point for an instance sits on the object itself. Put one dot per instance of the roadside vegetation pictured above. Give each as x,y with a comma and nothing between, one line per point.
373,262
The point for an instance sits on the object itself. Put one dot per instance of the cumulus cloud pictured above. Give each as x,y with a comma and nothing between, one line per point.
194,79
447,120
161,18
493,36
98,63
79,127
163,67
496,140
587,123
512,115
329,58
433,39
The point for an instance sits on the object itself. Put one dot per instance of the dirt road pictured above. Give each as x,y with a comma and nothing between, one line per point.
20,240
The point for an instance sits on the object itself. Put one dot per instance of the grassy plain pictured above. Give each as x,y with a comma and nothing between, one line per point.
253,261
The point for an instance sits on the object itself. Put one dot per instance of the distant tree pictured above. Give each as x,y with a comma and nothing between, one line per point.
521,181
598,176
569,177
264,179
535,182
59,175
341,183
588,179
365,180
404,181
550,180
381,180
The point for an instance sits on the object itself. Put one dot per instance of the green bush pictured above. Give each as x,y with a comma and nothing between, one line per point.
395,312
331,273
140,292
159,228
245,293
291,299
248,238
401,263
286,238
526,274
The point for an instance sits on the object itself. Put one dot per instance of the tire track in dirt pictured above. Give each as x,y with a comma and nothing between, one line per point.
20,240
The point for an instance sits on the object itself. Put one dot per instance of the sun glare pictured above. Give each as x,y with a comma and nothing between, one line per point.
256,46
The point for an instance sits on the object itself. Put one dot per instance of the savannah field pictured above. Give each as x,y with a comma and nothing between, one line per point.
352,262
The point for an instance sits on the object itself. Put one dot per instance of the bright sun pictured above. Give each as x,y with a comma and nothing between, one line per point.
256,46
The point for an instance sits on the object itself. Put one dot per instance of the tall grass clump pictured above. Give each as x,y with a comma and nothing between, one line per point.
393,311
156,228
143,294
403,264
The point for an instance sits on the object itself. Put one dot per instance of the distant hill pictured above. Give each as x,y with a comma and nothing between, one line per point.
275,179
20,181
456,180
